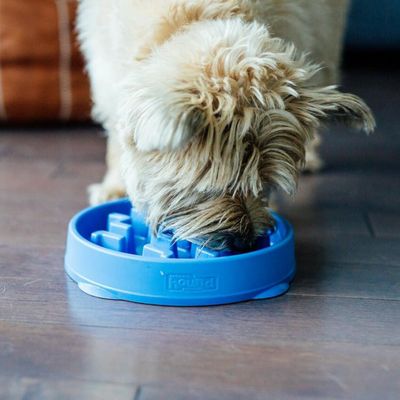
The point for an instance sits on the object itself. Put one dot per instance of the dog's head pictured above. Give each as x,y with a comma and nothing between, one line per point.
216,118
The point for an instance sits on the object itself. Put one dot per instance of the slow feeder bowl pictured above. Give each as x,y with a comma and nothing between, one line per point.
111,254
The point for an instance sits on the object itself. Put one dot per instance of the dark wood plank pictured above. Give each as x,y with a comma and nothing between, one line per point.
215,362
369,190
312,318
348,249
43,179
204,393
369,281
23,176
306,392
37,221
39,197
326,222
344,151
45,389
385,224
78,144
198,393
27,262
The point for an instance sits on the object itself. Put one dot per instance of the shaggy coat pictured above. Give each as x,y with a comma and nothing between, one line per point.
210,105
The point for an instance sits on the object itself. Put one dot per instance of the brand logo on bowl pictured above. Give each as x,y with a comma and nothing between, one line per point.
191,283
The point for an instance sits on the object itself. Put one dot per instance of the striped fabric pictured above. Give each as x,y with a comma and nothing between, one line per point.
41,70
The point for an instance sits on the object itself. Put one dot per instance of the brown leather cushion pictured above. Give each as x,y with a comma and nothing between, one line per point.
41,69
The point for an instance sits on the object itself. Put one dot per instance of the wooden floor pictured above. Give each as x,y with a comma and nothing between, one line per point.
336,335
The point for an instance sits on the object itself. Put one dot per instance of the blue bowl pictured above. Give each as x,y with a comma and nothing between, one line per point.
110,254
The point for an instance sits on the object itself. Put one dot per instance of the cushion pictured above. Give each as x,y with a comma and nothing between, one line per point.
41,69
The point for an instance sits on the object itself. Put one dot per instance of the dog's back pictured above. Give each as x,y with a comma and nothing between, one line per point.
113,34
316,27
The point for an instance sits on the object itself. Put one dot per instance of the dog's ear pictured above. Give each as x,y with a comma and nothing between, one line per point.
313,105
159,118
199,80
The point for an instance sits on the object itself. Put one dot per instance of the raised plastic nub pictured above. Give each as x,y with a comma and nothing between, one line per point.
130,234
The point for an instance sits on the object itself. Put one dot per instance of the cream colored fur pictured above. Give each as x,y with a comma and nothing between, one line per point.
210,105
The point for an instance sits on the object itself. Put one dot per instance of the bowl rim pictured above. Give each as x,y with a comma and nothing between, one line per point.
73,230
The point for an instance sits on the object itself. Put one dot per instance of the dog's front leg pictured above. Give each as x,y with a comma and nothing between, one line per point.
112,186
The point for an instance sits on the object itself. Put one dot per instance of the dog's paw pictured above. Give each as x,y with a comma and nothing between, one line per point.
101,192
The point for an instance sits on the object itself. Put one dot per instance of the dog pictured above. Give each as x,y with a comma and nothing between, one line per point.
210,106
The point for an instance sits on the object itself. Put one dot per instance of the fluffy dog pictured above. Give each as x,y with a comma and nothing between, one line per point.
210,105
